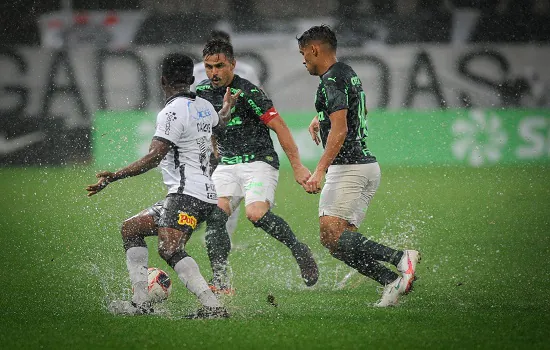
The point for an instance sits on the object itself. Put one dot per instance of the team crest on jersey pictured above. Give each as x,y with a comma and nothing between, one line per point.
186,219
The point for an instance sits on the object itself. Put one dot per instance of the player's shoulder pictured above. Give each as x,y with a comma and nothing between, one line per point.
338,74
203,85
246,86
204,103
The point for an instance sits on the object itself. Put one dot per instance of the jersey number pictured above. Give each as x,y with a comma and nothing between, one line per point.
321,116
362,115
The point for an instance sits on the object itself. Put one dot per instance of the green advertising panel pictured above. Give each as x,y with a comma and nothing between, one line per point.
119,138
417,138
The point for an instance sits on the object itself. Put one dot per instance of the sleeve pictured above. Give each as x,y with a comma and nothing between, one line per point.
215,116
262,105
169,126
337,94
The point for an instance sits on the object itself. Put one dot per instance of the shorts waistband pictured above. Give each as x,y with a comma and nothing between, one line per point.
245,158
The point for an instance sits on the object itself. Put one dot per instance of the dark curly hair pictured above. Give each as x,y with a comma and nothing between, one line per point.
177,68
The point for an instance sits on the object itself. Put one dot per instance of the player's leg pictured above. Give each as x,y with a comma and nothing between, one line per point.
218,244
260,182
218,247
180,217
342,208
234,217
133,232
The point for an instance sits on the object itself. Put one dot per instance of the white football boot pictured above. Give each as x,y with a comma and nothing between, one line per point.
407,266
125,307
391,293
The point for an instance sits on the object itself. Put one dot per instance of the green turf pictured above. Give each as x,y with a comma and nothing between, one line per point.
483,281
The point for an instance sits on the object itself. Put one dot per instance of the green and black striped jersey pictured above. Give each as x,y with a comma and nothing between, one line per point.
340,88
246,137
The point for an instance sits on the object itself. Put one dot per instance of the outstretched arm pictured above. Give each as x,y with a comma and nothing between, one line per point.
157,151
301,173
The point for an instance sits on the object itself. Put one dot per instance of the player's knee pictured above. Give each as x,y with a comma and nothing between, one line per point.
217,219
329,238
170,253
255,213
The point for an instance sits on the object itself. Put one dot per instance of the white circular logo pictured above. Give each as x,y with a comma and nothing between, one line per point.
479,138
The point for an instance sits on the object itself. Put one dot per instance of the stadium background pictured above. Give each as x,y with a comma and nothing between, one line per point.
459,118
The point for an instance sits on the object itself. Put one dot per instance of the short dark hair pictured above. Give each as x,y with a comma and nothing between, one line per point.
322,33
219,35
177,68
216,46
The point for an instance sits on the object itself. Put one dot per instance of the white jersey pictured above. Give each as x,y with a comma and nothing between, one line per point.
186,123
242,69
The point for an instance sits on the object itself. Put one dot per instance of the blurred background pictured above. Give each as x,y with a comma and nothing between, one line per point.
462,81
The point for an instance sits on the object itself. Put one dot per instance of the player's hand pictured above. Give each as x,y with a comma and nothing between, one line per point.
301,174
313,185
314,130
104,178
229,98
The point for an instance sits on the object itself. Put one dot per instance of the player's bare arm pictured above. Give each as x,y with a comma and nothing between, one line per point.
314,130
157,151
301,173
229,101
335,140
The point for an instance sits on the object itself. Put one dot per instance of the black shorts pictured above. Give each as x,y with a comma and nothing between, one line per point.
183,212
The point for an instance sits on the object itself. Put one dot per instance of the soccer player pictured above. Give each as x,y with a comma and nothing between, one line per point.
351,170
247,72
181,146
248,164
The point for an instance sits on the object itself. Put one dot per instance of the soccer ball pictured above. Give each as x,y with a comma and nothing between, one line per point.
160,284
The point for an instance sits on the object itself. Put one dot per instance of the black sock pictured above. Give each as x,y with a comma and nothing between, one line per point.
351,250
277,228
218,243
376,250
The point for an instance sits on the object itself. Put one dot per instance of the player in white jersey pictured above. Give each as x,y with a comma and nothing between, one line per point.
181,146
246,71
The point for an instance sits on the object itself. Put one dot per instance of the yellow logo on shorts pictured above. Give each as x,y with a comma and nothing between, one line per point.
186,219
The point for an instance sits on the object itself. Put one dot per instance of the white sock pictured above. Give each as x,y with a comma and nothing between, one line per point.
231,224
136,261
188,272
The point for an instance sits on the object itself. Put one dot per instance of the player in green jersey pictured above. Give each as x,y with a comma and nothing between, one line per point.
248,164
350,170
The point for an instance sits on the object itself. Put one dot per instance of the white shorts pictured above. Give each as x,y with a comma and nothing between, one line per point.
255,181
348,191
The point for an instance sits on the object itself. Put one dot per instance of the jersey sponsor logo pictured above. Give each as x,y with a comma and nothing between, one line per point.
355,80
202,87
186,219
255,107
204,127
204,114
